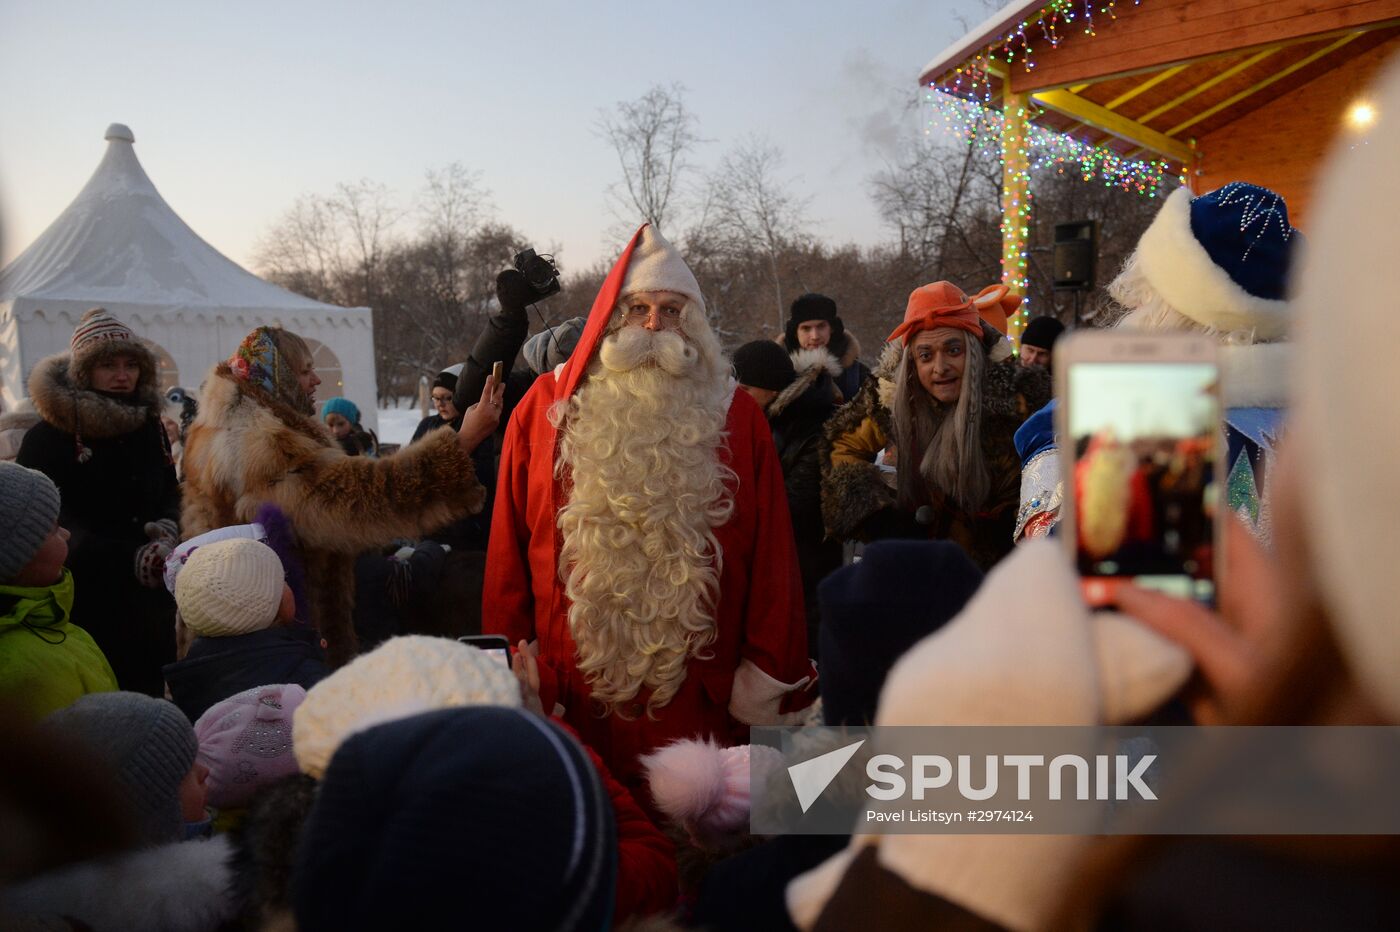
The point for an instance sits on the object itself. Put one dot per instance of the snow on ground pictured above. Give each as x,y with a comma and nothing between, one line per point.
396,425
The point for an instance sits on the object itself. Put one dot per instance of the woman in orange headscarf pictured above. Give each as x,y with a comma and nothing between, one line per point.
947,406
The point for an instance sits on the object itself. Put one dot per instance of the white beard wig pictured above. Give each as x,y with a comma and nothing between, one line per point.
640,448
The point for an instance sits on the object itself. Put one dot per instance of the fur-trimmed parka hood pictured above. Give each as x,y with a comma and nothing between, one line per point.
844,349
181,887
811,365
83,411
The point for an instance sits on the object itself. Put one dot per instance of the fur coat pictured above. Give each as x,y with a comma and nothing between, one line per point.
855,491
246,448
111,461
180,887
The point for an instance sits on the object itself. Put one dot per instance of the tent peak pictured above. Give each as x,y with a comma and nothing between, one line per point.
119,132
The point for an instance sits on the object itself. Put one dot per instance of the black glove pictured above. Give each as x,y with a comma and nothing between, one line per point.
513,291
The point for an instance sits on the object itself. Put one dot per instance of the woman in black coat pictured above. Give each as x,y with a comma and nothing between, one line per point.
102,444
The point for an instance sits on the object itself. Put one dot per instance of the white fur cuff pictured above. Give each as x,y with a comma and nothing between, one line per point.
756,697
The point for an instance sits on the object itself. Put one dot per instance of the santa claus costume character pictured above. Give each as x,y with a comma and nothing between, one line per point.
641,532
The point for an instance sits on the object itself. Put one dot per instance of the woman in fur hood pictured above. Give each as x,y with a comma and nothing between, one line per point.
101,442
256,440
943,408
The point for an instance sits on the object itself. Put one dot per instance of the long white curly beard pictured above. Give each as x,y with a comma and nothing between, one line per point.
640,442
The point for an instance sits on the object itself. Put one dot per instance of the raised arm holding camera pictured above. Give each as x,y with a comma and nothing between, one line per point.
531,279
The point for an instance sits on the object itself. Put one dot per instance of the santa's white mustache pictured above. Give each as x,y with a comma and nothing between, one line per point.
631,347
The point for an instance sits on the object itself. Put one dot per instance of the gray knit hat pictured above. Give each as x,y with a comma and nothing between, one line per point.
148,743
28,512
552,346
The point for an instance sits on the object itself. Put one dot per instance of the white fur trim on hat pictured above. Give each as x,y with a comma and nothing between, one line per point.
230,587
402,677
658,266
1345,399
1181,271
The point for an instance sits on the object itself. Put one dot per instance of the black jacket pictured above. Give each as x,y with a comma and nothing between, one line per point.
797,417
217,668
108,497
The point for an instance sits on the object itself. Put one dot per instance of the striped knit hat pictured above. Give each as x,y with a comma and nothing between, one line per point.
99,336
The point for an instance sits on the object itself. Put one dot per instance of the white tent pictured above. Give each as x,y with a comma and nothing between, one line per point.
120,246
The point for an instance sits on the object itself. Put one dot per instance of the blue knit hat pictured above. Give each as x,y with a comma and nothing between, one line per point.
489,817
342,406
1222,259
875,610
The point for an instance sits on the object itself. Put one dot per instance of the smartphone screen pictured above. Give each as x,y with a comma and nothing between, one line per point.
494,645
1145,443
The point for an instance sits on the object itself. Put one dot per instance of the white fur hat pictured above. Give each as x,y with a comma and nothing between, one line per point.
402,677
1345,396
1182,271
230,587
657,266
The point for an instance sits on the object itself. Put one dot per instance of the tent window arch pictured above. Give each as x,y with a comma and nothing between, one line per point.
327,366
167,373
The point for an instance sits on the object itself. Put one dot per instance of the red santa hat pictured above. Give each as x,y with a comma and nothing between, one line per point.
648,263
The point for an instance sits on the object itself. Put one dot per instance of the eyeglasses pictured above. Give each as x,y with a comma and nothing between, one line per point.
441,399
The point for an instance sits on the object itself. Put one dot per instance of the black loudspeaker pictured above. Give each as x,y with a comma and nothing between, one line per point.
1076,255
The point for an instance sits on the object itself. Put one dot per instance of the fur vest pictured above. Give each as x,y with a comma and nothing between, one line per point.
246,448
854,492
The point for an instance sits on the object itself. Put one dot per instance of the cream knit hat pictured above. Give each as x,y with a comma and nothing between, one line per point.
402,677
230,587
657,266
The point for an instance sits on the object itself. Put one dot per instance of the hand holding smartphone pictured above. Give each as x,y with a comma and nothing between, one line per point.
497,647
1140,442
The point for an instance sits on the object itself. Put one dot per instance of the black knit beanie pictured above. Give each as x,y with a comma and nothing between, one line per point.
1043,332
763,364
812,306
445,380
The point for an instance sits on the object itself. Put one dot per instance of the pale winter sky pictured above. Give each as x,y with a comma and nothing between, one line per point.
239,108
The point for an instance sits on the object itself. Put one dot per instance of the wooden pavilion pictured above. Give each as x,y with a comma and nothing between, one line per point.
1207,91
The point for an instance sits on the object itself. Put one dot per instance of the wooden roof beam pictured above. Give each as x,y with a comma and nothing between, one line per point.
1259,86
1209,83
1092,114
1153,36
1132,92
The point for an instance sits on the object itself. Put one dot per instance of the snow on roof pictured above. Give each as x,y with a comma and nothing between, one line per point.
975,41
119,243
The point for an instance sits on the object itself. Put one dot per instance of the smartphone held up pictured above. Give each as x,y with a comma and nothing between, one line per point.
1141,438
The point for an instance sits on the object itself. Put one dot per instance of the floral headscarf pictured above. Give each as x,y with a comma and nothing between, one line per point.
259,362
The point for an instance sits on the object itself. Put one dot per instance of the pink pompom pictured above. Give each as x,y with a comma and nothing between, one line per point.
704,787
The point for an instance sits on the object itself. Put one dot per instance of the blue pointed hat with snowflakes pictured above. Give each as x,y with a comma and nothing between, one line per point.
1222,259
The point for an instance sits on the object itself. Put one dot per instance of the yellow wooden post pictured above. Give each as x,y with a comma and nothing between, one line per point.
1015,202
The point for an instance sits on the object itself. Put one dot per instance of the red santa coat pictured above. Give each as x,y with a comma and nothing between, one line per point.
756,671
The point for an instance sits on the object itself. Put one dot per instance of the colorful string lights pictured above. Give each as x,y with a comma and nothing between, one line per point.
1043,148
